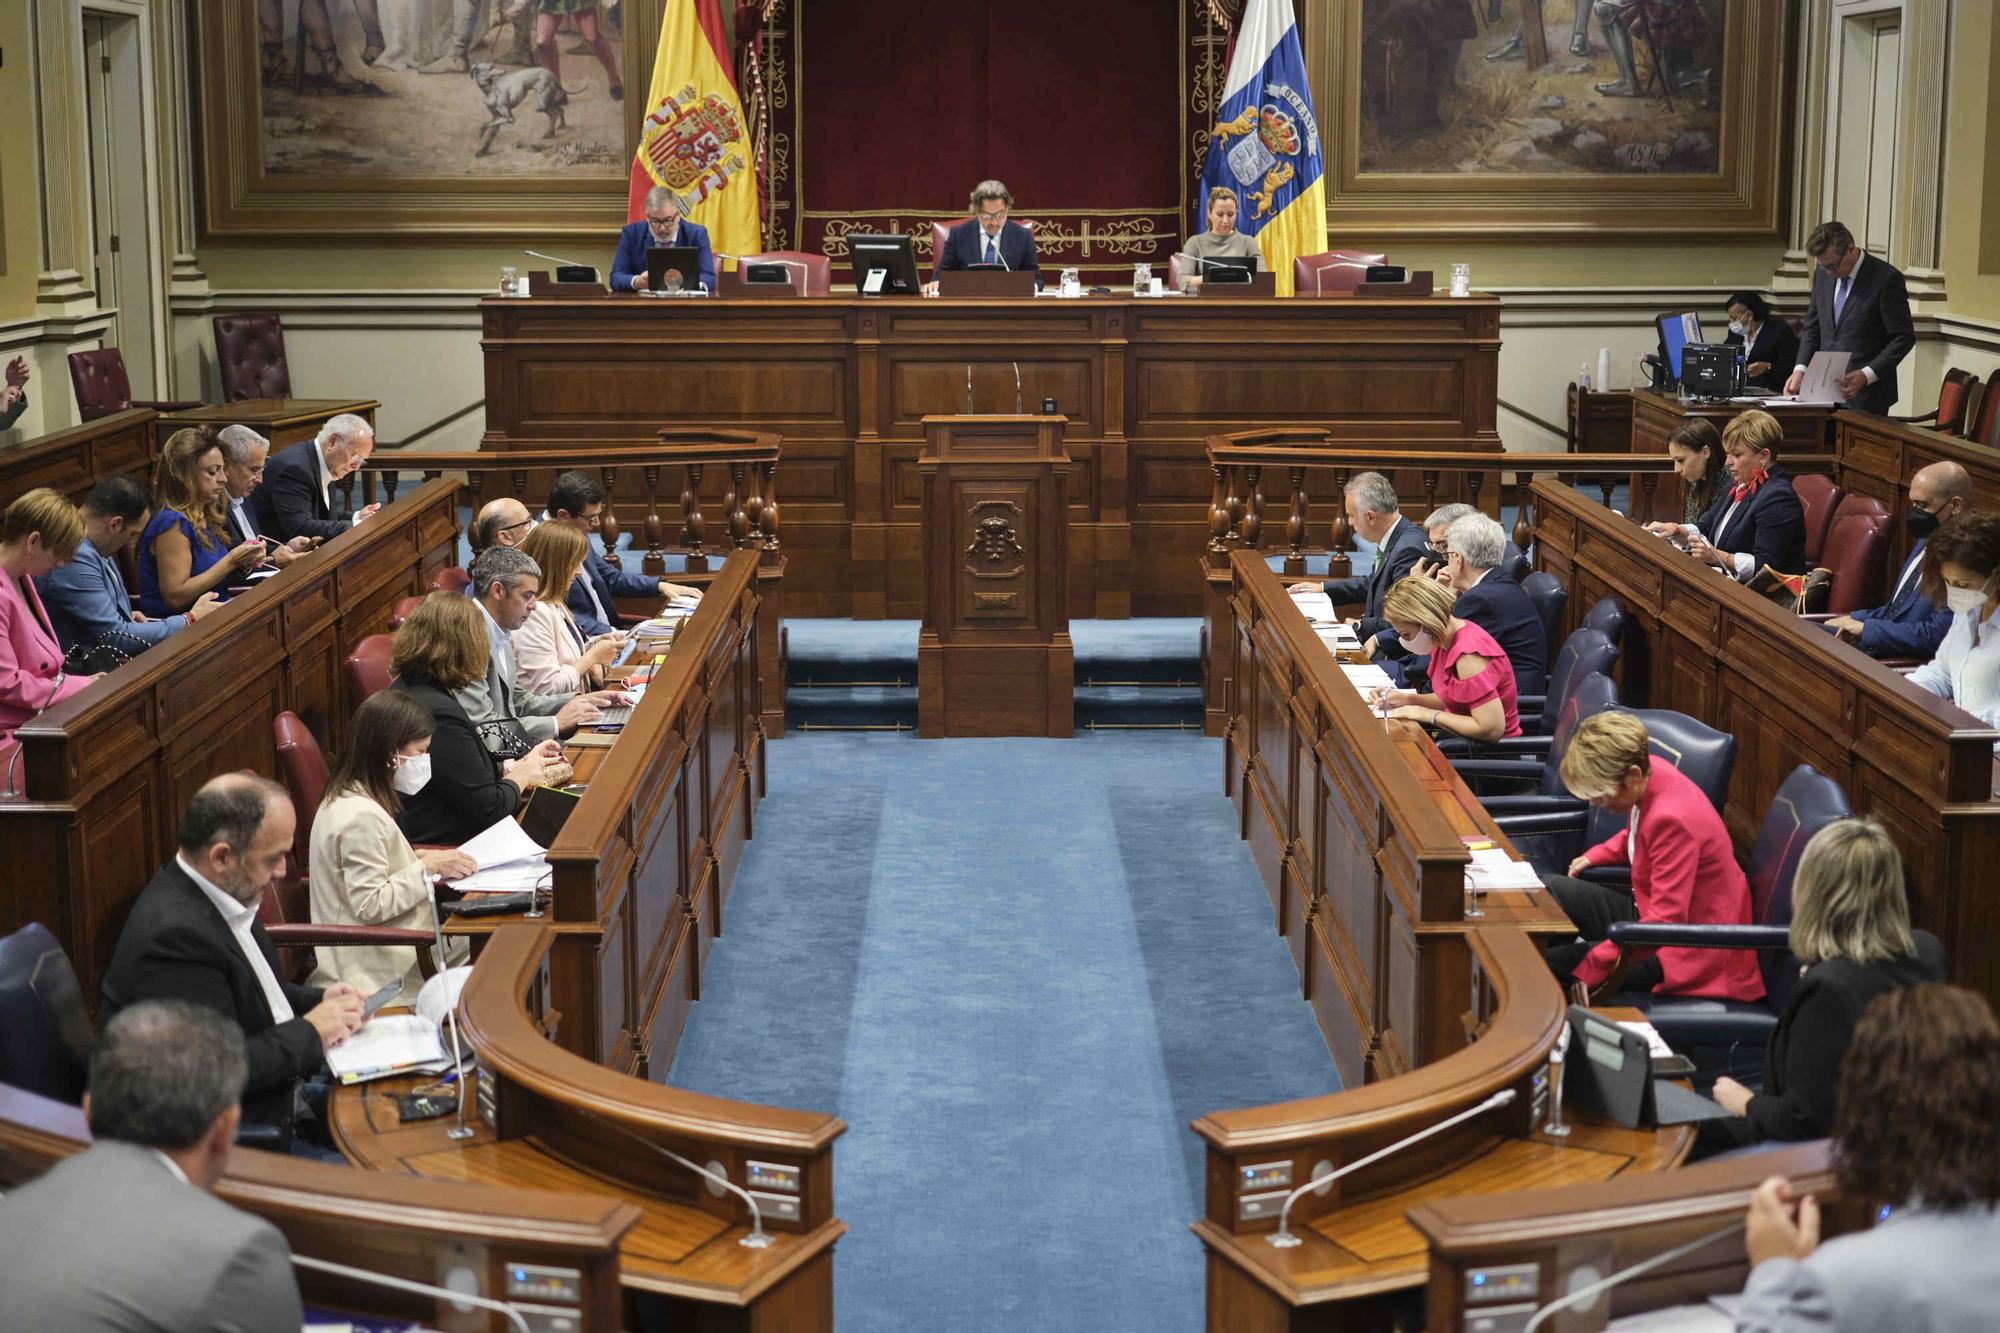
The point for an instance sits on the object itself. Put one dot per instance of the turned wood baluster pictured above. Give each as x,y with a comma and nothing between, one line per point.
1431,478
753,505
656,528
1524,522
1295,526
389,480
692,524
1649,482
739,521
346,487
1605,485
1475,482
1253,512
609,529
519,476
368,487
767,516
1218,519
1342,541
1235,506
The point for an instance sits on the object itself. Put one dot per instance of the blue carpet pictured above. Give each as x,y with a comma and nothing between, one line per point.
1017,969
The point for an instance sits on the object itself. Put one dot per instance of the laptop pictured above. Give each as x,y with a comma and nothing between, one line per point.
548,809
682,259
1610,1070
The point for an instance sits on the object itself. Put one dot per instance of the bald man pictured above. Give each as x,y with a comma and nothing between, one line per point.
504,522
1909,624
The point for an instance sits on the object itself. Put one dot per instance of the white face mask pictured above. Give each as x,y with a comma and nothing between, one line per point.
413,774
1737,327
1423,645
1962,600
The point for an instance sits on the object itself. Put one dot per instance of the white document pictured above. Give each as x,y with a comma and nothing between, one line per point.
1674,1319
1822,381
1492,869
514,877
1366,676
501,844
386,1044
1316,606
1339,637
1656,1046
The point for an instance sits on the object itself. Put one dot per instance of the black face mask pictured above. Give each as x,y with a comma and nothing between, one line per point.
1919,523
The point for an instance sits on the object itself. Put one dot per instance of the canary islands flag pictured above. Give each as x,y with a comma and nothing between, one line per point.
694,139
1265,144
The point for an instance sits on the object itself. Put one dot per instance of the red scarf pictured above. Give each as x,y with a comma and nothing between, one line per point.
1744,489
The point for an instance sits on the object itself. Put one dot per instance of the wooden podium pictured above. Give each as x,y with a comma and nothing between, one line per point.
994,656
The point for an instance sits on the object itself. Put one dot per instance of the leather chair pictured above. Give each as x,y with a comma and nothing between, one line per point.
403,611
367,668
1857,551
1516,565
45,1034
818,268
285,912
451,578
1983,425
1607,616
1949,414
1494,772
1550,599
1729,1036
1976,408
101,386
250,356
1333,272
1584,651
1819,497
304,770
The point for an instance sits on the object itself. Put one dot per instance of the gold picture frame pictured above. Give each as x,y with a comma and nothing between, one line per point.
579,188
1741,195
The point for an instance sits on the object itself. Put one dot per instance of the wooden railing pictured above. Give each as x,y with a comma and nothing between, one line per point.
738,469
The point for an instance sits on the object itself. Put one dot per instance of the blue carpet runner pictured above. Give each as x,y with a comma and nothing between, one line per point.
1017,969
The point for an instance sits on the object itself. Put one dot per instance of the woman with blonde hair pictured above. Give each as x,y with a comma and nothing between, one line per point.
1851,930
185,550
1756,520
1683,869
1472,682
1220,241
551,653
40,531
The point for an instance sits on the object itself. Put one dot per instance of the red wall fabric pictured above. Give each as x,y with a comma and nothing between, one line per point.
897,109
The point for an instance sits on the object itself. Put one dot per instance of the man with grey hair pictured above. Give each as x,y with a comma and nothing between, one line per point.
665,224
126,1235
1491,598
296,497
243,455
503,522
987,239
1374,514
193,935
505,583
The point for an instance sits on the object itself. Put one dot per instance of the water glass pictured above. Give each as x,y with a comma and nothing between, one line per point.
1142,279
1461,279
1072,284
510,281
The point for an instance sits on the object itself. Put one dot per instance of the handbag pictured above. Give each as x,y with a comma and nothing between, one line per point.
113,649
503,741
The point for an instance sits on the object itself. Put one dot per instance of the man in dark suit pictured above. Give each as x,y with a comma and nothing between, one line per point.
663,225
577,499
295,498
1861,306
126,1234
193,935
1373,512
1491,598
244,453
1909,624
987,237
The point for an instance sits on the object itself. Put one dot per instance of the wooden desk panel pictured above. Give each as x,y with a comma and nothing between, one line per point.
1702,644
847,382
76,459
1878,457
1657,415
282,421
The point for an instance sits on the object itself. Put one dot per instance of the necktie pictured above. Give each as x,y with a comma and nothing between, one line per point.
1840,296
991,257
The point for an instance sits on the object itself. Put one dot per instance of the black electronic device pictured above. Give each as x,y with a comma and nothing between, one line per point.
492,904
1712,370
425,1107
548,809
1610,1070
884,265
684,260
1048,407
576,273
762,275
1225,270
1387,273
375,1003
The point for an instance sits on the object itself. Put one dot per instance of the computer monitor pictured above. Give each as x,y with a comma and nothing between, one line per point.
1676,332
884,265
1708,370
682,259
1226,269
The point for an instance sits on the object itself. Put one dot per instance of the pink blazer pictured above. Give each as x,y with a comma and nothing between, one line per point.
1683,870
30,657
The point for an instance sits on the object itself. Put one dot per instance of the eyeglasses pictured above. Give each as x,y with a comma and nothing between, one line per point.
524,523
1436,546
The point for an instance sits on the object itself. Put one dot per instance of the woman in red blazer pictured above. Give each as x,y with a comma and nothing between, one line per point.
1683,869
40,531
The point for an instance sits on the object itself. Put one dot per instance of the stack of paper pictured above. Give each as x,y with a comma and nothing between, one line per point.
1656,1045
509,861
1366,676
387,1044
1338,636
1492,868
1316,605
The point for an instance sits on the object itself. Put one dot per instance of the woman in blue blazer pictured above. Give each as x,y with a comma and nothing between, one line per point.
1757,519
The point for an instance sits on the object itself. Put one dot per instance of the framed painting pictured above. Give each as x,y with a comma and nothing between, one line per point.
421,117
1587,117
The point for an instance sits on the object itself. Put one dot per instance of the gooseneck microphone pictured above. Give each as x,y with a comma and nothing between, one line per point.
501,1308
968,388
1017,386
1283,1237
1583,1295
14,759
758,1238
571,263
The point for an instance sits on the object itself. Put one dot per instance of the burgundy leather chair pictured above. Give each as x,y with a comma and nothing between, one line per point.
1856,552
1949,413
403,611
250,356
304,770
818,268
451,579
367,668
1820,498
1983,426
99,379
1334,272
286,915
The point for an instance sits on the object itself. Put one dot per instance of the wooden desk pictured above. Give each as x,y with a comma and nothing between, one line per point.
847,382
282,421
1702,644
76,459
382,1223
1657,415
108,770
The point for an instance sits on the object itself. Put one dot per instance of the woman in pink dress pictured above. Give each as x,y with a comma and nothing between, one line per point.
1472,681
40,531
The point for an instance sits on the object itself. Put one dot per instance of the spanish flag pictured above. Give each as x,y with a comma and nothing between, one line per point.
694,140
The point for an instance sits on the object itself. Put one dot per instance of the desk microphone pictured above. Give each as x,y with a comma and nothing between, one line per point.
14,759
1017,386
506,1311
758,1238
968,388
1584,1295
567,263
1283,1237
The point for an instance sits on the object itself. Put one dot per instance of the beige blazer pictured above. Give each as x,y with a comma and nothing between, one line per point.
365,873
546,651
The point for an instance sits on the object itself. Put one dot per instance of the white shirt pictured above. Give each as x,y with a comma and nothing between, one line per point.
994,241
172,1166
325,475
239,917
243,517
1966,673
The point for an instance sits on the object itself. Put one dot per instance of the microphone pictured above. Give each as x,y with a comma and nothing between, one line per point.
14,759
758,1238
1283,1238
1017,386
1584,1295
968,388
553,260
512,1315
1558,1058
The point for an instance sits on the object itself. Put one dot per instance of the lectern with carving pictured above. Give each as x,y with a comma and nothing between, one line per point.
994,656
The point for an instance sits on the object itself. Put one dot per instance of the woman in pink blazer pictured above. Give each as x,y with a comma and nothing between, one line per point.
40,531
1683,869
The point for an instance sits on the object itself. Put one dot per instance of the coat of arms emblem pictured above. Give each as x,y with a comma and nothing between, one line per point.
692,144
